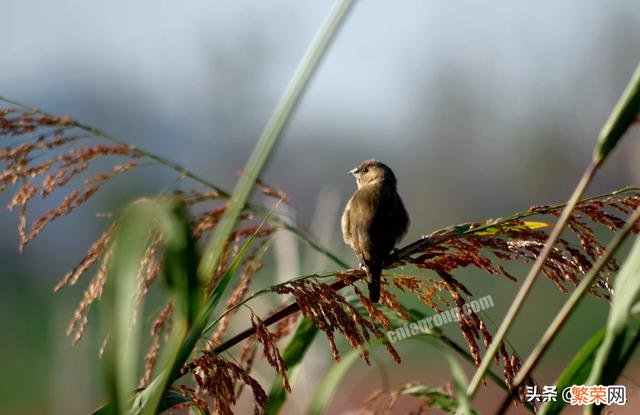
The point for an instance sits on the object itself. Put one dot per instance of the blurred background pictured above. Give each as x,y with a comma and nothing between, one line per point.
482,109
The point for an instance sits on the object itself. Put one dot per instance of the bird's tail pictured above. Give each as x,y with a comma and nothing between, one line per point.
374,270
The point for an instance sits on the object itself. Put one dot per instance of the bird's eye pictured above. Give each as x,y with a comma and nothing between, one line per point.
364,170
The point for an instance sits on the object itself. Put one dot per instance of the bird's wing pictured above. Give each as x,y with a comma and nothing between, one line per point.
400,217
346,225
362,208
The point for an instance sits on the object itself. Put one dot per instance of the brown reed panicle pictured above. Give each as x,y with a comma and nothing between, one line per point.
195,400
280,195
208,220
80,319
159,326
40,161
429,290
513,240
330,312
95,252
152,263
252,264
149,265
270,349
245,359
216,377
273,192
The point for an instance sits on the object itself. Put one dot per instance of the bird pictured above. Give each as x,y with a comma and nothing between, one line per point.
374,220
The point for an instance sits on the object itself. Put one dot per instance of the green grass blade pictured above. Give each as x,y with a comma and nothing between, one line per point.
460,382
272,134
119,308
181,263
575,373
180,271
330,382
292,355
609,360
181,345
626,288
623,115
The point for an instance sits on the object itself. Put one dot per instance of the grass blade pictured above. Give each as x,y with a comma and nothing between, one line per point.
623,115
626,290
182,343
330,382
272,133
608,364
460,383
119,308
575,373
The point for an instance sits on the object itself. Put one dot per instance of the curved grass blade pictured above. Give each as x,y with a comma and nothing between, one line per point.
575,373
626,290
181,346
272,133
623,115
608,364
119,308
460,383
330,382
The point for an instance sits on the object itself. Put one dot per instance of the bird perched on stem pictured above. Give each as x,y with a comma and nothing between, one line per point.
374,220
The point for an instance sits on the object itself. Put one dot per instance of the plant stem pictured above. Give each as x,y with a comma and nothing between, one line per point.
568,307
271,134
531,277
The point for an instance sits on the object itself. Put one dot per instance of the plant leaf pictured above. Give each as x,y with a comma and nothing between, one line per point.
623,115
575,373
615,351
119,308
181,345
330,382
626,288
532,225
272,133
181,262
459,379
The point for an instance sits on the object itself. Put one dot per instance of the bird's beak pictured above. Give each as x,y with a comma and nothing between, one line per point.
353,171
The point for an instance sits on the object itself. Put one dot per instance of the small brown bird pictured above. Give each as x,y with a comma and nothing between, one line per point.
374,220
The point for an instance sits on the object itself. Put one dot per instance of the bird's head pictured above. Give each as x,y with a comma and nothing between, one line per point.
373,171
